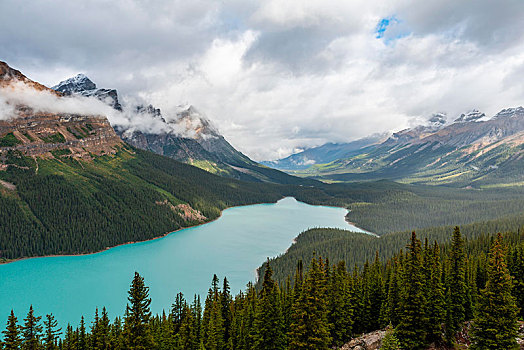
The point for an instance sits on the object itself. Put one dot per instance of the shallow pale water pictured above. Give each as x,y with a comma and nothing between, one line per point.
233,246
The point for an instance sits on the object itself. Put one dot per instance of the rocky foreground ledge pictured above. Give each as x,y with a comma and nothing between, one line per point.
373,340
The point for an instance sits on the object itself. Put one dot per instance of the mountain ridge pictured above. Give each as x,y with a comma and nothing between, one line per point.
187,136
471,151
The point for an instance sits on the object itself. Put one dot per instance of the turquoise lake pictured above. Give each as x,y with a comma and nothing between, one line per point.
183,261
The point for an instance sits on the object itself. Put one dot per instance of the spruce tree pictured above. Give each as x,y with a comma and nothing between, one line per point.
116,335
176,311
82,335
376,294
225,301
52,332
516,266
309,328
340,311
390,341
436,303
248,331
12,339
456,286
31,331
95,331
411,330
104,331
495,324
269,322
196,309
138,314
212,322
393,296
70,339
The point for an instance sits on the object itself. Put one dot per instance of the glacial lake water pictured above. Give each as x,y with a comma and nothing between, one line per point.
183,261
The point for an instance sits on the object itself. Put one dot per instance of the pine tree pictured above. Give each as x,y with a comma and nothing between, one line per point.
269,322
138,314
411,330
31,331
456,286
52,332
495,324
12,339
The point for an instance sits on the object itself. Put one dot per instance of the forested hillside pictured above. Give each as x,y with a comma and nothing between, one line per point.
384,206
66,206
425,293
358,248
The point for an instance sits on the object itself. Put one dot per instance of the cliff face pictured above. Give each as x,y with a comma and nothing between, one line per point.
36,133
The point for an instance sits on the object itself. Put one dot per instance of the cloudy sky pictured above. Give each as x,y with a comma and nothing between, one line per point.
279,75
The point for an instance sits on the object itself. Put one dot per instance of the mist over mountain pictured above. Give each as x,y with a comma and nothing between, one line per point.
184,134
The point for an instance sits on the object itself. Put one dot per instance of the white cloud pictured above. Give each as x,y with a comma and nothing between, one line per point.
279,75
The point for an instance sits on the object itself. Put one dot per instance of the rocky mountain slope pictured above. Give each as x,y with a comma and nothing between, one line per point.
186,135
471,151
45,134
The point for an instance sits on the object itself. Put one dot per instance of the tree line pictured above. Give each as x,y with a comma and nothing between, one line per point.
424,293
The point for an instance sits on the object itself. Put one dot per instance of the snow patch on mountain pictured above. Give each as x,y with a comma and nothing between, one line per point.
471,116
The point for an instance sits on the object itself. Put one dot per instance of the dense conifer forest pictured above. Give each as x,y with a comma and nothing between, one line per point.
357,248
425,293
67,207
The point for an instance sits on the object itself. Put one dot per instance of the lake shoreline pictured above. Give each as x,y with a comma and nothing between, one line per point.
9,261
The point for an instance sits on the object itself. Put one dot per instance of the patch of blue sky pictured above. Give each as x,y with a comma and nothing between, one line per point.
390,29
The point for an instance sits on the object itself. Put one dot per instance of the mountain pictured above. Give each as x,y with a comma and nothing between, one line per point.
81,84
186,135
41,133
69,185
322,154
471,151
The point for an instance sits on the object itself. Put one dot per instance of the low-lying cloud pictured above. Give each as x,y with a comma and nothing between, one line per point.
280,75
130,119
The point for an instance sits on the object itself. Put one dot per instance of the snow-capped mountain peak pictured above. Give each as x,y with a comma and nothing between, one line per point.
437,120
471,116
76,84
510,112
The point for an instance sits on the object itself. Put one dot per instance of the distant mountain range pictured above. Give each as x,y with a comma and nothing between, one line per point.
322,154
473,150
187,136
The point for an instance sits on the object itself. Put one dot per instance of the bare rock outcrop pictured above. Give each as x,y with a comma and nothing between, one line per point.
368,341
